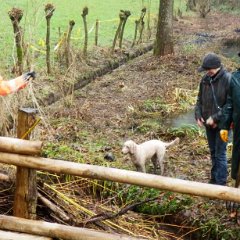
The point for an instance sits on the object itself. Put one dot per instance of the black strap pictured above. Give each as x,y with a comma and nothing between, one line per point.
214,96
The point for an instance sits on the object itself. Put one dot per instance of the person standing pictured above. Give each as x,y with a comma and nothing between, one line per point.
231,117
212,96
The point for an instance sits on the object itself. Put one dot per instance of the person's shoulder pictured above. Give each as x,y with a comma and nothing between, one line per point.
228,75
235,76
236,73
225,75
205,78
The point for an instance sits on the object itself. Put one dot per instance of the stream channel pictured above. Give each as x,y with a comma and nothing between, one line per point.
183,119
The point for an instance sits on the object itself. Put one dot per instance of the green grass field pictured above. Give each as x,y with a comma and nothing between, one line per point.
34,23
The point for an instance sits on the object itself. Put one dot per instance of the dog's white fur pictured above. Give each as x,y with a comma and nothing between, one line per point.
153,150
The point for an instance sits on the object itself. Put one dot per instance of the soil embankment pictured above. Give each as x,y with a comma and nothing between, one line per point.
131,102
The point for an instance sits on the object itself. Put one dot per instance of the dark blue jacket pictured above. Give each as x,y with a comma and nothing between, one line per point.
231,113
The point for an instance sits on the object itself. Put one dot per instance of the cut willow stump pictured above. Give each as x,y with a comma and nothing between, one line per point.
16,15
49,9
25,199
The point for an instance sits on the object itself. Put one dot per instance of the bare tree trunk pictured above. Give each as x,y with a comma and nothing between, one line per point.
141,25
164,37
49,9
121,17
84,14
16,15
68,53
127,14
204,8
191,5
149,20
135,33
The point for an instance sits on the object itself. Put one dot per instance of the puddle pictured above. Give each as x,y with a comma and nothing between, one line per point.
231,52
183,119
231,49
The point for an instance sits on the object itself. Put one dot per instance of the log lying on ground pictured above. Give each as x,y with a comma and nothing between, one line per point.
20,236
57,210
123,176
20,146
56,230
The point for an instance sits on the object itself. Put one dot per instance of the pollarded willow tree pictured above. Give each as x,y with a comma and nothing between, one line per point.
191,5
16,15
164,37
84,16
49,9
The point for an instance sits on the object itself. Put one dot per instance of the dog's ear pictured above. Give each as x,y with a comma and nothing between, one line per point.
132,147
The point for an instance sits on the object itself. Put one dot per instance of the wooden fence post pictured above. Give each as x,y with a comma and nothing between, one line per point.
96,32
25,199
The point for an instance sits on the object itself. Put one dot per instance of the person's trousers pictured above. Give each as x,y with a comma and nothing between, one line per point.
218,150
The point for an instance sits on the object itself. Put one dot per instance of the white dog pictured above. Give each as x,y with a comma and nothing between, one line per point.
153,149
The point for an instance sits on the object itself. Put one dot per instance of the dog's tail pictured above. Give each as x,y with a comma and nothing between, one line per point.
172,143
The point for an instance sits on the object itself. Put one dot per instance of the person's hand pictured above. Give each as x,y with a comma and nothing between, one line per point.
210,122
200,122
29,75
224,135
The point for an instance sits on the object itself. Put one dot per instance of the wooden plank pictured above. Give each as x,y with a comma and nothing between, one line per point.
6,235
20,146
55,230
123,176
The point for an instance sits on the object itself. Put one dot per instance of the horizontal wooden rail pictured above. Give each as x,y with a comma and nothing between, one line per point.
123,176
56,230
20,146
20,236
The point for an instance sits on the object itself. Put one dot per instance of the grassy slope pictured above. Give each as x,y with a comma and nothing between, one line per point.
34,19
34,22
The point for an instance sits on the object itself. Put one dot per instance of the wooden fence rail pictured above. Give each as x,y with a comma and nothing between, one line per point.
23,154
55,230
7,235
123,176
20,146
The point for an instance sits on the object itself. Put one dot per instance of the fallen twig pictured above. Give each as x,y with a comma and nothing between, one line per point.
104,216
